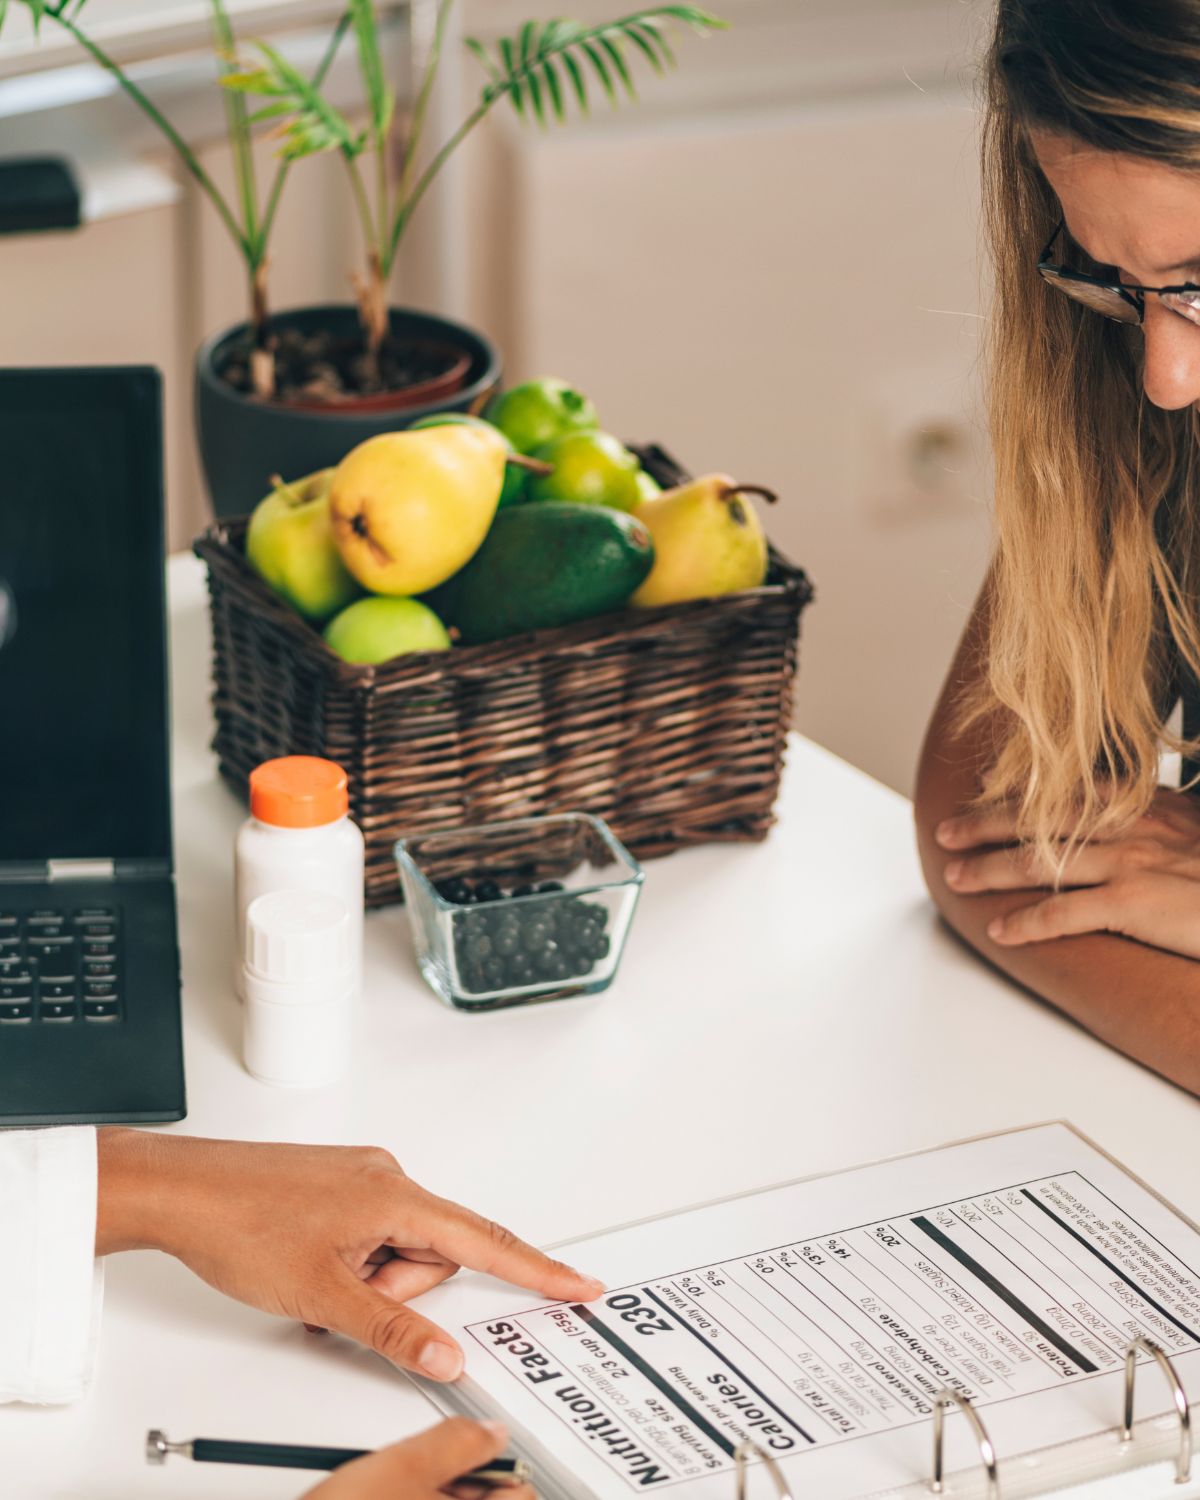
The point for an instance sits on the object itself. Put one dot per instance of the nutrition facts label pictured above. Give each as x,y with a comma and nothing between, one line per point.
851,1333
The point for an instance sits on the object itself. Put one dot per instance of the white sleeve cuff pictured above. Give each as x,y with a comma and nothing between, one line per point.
51,1284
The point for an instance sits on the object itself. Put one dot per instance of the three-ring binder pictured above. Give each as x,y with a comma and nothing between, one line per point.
947,1399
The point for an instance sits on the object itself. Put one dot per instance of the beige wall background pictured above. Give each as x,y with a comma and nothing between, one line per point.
770,266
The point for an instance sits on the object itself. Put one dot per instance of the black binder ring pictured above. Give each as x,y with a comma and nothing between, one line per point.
944,1399
742,1455
1183,1459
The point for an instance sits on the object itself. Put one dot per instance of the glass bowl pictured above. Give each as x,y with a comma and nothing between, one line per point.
519,912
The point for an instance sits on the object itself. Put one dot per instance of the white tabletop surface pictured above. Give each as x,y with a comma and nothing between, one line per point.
782,1009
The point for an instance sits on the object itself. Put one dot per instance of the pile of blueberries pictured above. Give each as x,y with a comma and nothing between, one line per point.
498,946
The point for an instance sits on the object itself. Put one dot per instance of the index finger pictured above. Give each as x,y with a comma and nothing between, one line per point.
482,1245
969,830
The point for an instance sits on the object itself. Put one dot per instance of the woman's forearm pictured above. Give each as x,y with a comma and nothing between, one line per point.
1141,1000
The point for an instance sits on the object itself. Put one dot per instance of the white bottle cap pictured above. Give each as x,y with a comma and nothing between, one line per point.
298,979
294,936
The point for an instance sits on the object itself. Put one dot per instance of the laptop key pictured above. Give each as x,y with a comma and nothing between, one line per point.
15,1010
97,947
99,989
57,1010
43,914
57,989
54,957
94,914
12,988
100,1010
8,919
10,942
99,968
47,930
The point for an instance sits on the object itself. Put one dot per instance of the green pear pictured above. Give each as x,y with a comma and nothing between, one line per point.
708,540
375,630
289,544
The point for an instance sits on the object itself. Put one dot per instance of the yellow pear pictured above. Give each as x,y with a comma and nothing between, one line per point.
410,508
708,540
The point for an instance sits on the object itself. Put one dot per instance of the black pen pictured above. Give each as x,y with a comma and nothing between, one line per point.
499,1473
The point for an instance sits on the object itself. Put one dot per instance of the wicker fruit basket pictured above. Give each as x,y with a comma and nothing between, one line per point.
670,723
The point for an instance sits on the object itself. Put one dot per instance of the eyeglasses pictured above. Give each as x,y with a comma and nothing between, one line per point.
1125,304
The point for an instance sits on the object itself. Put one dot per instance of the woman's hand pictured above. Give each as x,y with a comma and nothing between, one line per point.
423,1468
333,1236
1143,885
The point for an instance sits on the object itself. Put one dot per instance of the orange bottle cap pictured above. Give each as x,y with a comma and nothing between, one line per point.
298,791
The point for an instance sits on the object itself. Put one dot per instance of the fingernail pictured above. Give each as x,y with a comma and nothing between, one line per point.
596,1286
954,871
995,928
440,1361
497,1430
944,833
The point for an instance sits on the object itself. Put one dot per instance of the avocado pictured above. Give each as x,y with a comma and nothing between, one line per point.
544,565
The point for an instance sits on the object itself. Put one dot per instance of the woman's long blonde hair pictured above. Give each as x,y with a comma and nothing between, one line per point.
1092,595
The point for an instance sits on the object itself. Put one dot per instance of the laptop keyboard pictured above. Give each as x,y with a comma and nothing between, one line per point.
60,966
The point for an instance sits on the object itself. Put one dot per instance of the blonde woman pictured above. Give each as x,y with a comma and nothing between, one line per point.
1046,840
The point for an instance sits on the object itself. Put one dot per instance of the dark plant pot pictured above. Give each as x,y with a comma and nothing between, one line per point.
244,440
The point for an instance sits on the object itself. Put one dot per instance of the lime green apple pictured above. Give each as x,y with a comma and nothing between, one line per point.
514,477
289,544
648,487
538,411
376,629
589,468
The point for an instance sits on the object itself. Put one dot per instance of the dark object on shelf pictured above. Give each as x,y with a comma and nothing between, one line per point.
668,723
241,437
38,192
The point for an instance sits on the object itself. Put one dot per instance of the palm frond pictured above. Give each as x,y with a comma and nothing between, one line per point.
525,67
381,101
308,123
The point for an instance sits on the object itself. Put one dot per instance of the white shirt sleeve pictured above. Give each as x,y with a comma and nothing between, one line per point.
51,1284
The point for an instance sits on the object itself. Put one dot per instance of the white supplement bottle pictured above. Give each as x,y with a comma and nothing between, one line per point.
299,837
297,979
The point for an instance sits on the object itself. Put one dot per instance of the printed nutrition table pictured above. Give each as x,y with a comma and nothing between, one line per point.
852,1333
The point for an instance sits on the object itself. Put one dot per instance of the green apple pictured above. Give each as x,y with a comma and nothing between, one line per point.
375,630
648,487
589,468
289,544
514,477
537,412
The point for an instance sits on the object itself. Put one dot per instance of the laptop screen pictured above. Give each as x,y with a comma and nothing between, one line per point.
83,704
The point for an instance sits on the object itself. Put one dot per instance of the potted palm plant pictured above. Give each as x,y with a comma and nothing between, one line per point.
293,391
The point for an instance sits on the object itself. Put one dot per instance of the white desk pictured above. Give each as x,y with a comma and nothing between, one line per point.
782,1009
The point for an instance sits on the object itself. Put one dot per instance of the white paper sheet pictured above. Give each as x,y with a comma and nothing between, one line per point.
821,1318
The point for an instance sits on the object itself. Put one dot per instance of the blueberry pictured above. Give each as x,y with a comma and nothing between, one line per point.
537,932
520,969
546,961
521,890
600,948
559,968
547,887
450,890
507,940
479,947
473,979
487,890
494,972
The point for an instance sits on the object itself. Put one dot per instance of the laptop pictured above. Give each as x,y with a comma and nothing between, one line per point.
89,957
